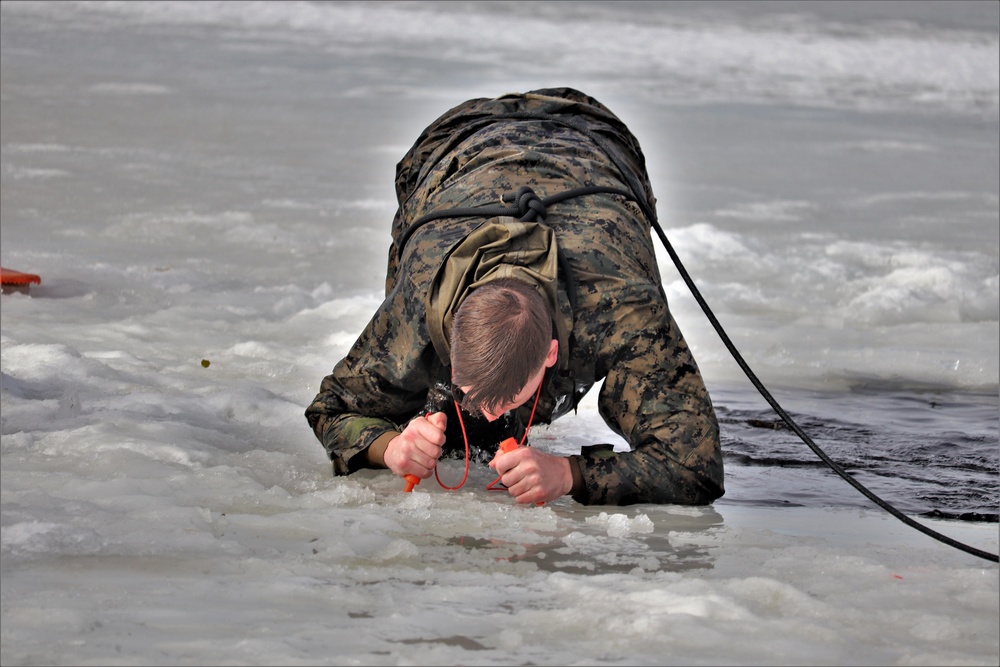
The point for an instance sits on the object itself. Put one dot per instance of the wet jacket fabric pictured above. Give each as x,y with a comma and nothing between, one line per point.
591,255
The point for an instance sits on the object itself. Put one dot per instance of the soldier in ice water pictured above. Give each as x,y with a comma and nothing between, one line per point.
522,272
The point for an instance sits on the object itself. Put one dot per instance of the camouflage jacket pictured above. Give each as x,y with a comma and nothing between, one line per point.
610,310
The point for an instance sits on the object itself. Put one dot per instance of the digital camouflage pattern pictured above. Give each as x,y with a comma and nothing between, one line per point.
621,330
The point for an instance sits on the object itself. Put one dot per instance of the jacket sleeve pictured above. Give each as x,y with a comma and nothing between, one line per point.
653,396
379,386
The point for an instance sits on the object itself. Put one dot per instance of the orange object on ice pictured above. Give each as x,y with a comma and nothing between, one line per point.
411,481
11,277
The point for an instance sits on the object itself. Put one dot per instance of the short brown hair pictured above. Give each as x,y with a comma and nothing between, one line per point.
499,338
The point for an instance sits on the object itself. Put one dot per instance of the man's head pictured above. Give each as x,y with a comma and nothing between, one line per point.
501,344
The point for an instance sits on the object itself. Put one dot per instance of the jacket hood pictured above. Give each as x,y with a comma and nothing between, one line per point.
501,247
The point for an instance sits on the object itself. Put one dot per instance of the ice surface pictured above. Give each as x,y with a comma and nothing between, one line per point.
213,181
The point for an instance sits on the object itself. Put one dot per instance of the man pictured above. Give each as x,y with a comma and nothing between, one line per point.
521,272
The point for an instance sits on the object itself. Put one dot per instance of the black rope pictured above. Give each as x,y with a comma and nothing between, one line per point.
795,427
527,208
636,195
633,183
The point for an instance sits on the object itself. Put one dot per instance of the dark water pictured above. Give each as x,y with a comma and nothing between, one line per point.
932,453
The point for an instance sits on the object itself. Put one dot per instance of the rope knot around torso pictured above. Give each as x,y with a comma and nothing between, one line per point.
530,207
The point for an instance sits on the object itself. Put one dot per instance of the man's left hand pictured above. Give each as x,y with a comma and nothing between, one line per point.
533,476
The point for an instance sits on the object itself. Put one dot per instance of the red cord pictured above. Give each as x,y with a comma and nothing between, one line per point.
465,437
458,411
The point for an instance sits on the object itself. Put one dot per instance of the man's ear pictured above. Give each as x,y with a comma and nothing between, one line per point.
553,355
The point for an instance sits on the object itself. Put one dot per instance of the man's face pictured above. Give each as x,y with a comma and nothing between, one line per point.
529,389
522,397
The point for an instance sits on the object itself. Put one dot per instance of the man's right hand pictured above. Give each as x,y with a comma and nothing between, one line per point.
417,449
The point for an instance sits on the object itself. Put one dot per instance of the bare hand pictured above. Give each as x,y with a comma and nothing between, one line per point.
533,476
417,449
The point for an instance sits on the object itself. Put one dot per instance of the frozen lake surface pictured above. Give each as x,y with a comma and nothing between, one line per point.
213,182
